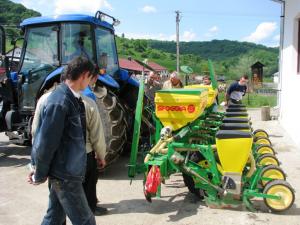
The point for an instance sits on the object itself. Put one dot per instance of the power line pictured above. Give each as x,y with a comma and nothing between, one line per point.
230,14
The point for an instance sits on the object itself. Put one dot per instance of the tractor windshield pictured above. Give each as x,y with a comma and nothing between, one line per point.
76,41
106,50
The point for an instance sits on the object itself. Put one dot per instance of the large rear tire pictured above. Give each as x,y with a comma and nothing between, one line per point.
114,122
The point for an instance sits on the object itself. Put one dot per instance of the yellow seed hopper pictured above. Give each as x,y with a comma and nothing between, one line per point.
212,94
177,107
234,148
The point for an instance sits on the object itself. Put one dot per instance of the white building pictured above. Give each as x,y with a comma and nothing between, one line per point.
289,79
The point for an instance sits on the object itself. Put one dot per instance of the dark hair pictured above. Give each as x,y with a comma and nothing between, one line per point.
96,71
77,66
245,77
206,77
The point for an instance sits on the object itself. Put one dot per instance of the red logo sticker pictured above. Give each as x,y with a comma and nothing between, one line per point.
191,108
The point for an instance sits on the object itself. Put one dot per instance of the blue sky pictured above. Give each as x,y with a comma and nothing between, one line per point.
255,21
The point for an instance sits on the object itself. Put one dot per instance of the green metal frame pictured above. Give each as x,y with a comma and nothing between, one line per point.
136,131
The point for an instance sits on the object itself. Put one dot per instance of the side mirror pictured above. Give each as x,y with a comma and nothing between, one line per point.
2,41
13,42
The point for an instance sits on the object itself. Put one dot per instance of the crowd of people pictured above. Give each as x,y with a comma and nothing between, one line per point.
233,94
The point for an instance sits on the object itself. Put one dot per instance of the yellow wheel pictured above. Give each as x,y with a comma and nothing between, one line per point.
264,149
263,141
260,133
283,190
271,172
267,159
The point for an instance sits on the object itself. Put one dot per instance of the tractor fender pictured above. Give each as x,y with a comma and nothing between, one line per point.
124,75
105,78
108,80
54,73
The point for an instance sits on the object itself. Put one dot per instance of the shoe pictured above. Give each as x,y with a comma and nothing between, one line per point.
99,211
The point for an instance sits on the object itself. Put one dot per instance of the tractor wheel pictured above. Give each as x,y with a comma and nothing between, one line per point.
273,172
260,133
282,189
264,149
189,181
114,122
267,159
263,141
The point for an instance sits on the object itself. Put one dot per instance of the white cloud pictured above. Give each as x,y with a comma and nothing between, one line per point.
149,9
188,36
36,5
80,6
32,4
212,32
263,31
213,29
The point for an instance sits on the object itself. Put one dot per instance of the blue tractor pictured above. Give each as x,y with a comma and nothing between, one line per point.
49,43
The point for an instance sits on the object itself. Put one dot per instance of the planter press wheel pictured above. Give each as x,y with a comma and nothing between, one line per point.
267,159
189,181
284,190
264,149
273,172
260,133
263,141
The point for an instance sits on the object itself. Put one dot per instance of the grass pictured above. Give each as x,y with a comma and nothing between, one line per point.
253,100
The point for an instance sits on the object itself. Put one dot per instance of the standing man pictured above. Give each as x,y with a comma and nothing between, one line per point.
206,80
174,82
95,147
58,151
237,90
152,86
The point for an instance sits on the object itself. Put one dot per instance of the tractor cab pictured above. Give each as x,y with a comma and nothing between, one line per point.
51,42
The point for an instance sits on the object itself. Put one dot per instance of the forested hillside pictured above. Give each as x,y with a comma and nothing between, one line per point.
231,58
11,14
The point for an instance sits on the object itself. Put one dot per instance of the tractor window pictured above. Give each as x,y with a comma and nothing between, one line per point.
106,51
41,48
76,41
40,58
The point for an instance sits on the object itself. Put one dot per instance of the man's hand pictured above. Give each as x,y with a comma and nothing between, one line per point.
30,179
101,162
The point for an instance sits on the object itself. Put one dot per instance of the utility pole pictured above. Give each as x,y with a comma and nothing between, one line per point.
177,39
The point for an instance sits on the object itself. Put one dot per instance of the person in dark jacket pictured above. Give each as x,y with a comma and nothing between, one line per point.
237,90
58,151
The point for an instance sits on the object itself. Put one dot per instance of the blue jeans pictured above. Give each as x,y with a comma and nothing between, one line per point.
68,198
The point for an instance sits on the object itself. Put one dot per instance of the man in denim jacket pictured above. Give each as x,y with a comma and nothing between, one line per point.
58,151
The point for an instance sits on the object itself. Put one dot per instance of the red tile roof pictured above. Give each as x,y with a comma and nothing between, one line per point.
156,66
131,65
